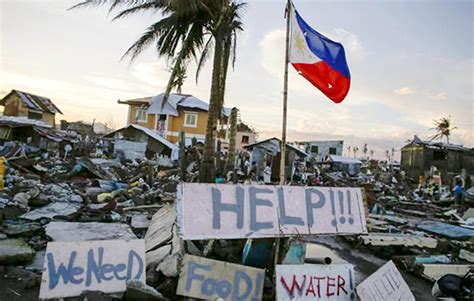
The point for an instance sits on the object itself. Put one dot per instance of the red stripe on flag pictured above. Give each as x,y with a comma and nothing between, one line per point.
331,82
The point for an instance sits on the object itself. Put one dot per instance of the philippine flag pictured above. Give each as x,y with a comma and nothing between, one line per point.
318,59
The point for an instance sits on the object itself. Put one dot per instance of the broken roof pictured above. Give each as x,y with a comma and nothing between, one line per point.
428,143
341,159
14,121
275,143
34,102
150,133
175,100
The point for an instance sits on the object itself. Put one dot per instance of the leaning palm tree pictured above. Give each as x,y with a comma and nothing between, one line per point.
188,29
443,128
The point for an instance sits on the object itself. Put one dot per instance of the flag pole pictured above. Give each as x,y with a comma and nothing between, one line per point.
283,132
285,95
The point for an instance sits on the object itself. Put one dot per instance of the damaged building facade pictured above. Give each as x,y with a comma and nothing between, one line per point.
319,150
137,142
27,105
180,112
419,156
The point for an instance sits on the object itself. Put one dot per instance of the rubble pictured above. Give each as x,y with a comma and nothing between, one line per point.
80,197
15,251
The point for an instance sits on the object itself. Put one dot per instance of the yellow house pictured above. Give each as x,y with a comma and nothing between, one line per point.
181,112
22,104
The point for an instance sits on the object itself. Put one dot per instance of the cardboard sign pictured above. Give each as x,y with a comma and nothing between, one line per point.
207,211
211,279
385,284
315,282
102,265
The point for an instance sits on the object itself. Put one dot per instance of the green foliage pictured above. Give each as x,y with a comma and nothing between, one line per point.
443,128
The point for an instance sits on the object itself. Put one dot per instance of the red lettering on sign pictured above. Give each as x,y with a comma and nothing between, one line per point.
294,284
340,284
318,285
329,284
310,288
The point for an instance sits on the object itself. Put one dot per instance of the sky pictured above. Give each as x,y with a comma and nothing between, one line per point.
411,62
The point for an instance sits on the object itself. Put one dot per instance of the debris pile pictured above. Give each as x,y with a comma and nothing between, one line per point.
80,197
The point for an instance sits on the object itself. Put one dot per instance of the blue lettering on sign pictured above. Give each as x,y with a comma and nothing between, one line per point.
240,289
96,269
310,206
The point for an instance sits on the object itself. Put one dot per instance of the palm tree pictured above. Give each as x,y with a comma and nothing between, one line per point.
365,150
189,29
372,154
232,140
443,128
355,150
349,151
387,155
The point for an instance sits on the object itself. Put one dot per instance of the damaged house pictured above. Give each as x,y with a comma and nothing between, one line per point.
419,156
349,165
321,149
137,142
181,112
27,105
268,152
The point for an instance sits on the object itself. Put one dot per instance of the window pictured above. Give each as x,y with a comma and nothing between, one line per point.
332,150
141,115
190,119
245,139
439,155
314,149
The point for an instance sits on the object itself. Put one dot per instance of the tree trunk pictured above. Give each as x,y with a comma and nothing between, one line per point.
207,168
232,142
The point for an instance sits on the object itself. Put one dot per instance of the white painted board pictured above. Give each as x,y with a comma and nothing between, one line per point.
223,211
385,284
106,265
315,282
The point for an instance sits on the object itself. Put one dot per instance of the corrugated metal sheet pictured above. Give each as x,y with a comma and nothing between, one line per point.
447,230
38,103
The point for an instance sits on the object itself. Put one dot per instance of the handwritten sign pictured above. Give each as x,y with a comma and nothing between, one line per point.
106,265
385,284
315,282
211,279
207,211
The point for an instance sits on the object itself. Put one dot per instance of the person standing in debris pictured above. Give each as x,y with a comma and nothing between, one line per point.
458,192
267,174
247,166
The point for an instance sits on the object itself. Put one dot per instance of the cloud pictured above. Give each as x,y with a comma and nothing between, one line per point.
350,41
107,82
439,96
272,51
152,73
404,91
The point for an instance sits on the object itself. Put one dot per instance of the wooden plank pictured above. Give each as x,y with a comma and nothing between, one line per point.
211,279
105,265
387,239
434,271
211,211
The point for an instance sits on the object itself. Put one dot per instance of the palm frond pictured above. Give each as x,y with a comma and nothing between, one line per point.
204,56
147,6
151,34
